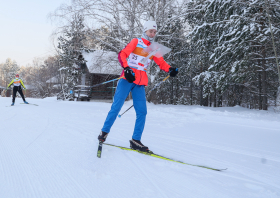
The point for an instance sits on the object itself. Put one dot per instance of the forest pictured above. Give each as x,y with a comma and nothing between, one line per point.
225,50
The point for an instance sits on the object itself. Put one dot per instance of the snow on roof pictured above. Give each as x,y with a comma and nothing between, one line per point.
29,86
103,62
53,80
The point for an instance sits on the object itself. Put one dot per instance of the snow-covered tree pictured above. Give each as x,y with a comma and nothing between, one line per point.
9,70
236,40
172,36
37,74
71,45
121,21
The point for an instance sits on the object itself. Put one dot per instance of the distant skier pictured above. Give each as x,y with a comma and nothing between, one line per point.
17,88
135,81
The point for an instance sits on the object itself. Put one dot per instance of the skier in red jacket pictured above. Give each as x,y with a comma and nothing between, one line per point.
135,81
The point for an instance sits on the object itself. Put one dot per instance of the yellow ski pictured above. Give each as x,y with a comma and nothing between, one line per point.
164,158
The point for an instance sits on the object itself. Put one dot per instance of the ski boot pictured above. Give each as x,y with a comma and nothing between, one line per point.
12,104
102,136
25,102
137,145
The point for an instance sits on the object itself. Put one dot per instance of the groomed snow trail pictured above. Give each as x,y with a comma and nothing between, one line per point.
50,151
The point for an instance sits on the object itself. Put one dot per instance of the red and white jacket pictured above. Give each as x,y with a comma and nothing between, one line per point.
134,51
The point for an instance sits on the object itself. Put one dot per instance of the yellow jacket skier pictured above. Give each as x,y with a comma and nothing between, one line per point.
17,88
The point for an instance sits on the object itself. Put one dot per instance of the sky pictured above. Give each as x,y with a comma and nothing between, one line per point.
26,29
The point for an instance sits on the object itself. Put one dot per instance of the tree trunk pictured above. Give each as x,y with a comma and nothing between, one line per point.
263,75
191,90
171,93
201,95
215,98
260,91
264,83
201,89
278,99
205,102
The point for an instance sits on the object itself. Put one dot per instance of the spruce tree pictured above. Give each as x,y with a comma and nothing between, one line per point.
239,63
71,45
171,92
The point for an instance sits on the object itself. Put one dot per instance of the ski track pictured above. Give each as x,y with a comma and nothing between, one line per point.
243,125
223,162
23,173
82,191
26,167
145,187
219,164
156,168
143,172
192,115
251,179
225,148
14,158
56,157
45,128
14,115
27,170
179,181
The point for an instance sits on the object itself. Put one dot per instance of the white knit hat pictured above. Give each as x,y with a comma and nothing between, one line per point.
150,25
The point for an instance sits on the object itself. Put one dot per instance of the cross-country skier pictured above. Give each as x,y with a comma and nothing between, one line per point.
17,88
135,81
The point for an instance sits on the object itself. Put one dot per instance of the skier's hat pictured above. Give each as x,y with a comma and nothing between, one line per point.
150,25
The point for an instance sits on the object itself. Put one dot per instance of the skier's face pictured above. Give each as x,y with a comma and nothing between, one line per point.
17,76
151,33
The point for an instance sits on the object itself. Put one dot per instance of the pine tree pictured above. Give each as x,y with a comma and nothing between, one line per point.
71,45
239,65
171,92
203,41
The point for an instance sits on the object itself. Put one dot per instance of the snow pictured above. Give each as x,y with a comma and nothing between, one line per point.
29,86
50,151
81,95
53,80
103,62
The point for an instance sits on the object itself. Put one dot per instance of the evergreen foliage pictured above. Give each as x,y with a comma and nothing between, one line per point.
226,59
71,45
235,38
172,91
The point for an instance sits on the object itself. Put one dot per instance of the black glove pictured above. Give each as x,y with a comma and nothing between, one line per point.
173,71
129,74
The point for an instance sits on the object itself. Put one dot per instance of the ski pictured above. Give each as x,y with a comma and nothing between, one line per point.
30,104
99,149
162,157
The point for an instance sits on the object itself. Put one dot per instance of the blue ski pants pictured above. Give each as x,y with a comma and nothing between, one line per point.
139,102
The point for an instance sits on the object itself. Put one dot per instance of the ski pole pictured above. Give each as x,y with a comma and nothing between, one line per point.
158,84
106,82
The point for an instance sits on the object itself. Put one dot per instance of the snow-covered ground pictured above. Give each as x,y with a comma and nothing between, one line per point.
50,151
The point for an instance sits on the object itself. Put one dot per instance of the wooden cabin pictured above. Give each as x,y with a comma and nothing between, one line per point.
100,66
